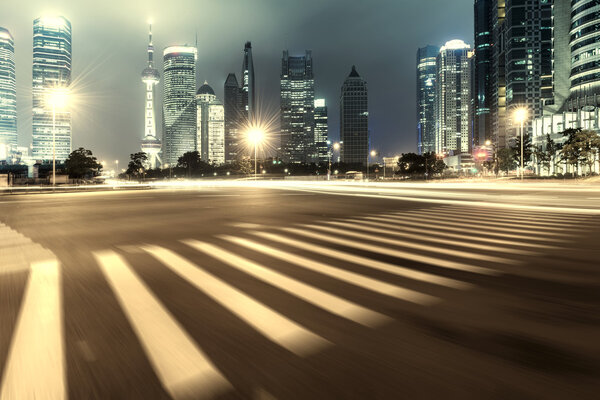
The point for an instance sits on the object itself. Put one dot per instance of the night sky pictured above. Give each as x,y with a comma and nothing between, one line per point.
380,37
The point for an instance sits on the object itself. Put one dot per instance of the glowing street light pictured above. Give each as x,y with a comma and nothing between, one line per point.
255,137
520,116
57,98
372,153
335,146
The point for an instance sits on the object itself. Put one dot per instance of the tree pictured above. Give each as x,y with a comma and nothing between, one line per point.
136,165
411,164
581,147
433,164
543,157
552,148
192,162
506,160
527,150
81,164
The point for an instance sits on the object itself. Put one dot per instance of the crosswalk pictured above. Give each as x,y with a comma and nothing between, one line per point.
404,259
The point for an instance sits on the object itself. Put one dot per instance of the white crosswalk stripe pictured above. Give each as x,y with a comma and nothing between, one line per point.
503,217
516,214
480,247
35,368
273,325
344,275
319,298
182,367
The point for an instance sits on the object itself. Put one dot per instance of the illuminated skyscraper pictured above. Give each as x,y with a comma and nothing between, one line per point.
482,72
179,136
585,52
150,77
297,89
233,119
426,77
354,119
51,71
8,94
248,85
453,98
211,126
321,131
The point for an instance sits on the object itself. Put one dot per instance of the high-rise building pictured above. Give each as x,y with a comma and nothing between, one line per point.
179,114
426,77
585,51
8,93
248,84
482,80
498,85
150,77
51,72
297,88
354,119
453,98
321,131
211,126
233,119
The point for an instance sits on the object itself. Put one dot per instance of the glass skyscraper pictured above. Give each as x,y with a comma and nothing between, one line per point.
51,71
297,88
426,77
321,131
354,119
179,114
248,84
585,49
211,126
482,72
8,93
233,119
453,98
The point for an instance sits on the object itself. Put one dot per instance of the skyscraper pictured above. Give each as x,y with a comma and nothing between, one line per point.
51,71
498,111
233,119
585,53
150,77
297,88
211,126
354,119
179,113
8,92
321,131
453,98
482,72
426,77
248,87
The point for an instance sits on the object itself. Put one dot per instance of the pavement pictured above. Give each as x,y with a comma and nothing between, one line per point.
266,290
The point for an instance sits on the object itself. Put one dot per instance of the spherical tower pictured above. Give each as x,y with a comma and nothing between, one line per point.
150,144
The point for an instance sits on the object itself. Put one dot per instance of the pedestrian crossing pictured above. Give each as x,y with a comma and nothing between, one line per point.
328,265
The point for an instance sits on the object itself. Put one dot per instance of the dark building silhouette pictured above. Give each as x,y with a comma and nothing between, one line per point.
354,119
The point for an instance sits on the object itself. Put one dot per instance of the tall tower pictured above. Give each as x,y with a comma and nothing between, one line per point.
426,78
248,91
8,93
233,119
354,119
51,71
150,77
211,126
321,131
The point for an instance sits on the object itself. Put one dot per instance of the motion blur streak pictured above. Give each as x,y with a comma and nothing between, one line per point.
36,363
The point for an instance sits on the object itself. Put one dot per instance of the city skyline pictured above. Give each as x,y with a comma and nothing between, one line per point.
103,120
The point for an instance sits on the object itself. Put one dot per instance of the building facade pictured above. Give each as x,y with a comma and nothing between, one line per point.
321,131
248,83
482,90
233,119
426,78
179,113
8,94
585,48
210,126
51,73
150,143
354,119
453,99
297,91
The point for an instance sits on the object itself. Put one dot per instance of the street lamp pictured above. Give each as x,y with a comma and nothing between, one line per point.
57,98
373,153
520,117
117,173
255,136
334,146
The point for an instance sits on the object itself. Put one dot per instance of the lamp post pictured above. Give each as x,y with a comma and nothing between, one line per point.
117,173
372,153
334,146
255,136
57,98
521,116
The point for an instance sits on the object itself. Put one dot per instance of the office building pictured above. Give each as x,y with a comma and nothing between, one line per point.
248,84
150,143
354,119
51,73
210,126
321,131
234,117
8,94
585,48
453,98
482,70
179,114
426,78
297,89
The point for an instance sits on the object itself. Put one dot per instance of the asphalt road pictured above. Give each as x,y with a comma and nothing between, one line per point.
305,292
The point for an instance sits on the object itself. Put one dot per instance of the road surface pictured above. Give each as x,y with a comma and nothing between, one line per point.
306,291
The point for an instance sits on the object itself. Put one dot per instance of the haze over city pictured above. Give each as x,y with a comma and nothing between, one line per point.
109,52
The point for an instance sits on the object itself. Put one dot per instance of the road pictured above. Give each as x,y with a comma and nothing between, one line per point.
302,291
